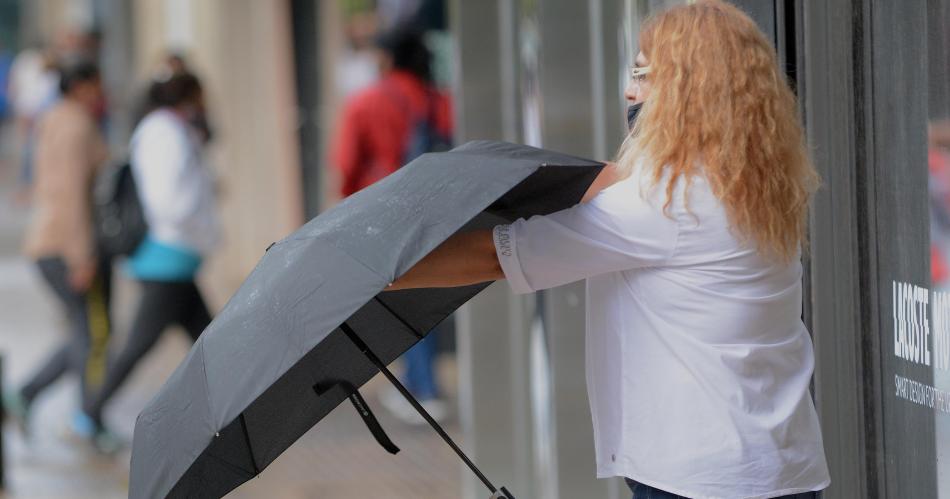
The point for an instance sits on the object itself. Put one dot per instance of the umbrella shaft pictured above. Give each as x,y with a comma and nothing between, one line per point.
415,404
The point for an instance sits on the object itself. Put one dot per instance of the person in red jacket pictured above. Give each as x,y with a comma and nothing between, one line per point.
383,127
380,127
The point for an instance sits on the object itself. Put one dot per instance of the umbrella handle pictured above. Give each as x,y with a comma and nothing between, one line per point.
364,349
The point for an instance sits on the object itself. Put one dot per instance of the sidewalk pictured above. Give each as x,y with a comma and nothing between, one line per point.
336,460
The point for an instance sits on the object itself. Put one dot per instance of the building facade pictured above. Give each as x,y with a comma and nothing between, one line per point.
873,79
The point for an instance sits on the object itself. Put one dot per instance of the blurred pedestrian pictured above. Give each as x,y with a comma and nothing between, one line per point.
177,193
174,64
382,128
7,138
33,89
358,66
394,120
70,150
698,362
6,64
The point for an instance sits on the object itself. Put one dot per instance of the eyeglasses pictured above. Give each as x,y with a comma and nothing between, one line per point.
638,74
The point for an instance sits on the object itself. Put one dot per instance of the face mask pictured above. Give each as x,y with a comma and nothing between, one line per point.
632,112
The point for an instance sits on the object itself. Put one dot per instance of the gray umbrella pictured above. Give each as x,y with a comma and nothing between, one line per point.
310,324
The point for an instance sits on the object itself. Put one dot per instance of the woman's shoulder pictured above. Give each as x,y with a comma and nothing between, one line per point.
642,184
160,120
645,195
160,126
633,204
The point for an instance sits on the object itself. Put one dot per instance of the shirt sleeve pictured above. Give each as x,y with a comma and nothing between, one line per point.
160,157
613,232
347,147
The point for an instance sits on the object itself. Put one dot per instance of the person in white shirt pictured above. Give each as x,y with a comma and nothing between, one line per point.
177,193
698,363
34,89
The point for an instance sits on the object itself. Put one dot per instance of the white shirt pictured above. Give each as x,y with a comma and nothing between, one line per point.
698,363
175,186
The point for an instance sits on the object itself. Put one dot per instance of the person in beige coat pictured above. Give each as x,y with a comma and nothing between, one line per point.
70,150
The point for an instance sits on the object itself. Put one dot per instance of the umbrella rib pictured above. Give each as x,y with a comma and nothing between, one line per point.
364,348
399,318
250,450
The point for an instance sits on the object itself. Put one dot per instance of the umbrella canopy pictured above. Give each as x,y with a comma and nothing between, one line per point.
284,350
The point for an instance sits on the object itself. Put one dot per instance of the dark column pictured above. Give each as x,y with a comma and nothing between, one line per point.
113,18
307,80
897,242
863,82
828,83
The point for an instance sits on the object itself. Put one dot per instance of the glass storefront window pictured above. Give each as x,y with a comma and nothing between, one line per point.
938,163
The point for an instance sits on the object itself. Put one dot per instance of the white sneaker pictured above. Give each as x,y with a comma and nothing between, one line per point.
437,408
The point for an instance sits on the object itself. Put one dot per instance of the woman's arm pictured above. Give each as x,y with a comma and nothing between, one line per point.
463,259
608,176
470,258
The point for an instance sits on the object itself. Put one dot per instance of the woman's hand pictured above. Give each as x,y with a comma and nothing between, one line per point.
463,259
81,276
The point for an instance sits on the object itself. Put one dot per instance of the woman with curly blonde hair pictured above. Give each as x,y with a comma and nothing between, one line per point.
698,363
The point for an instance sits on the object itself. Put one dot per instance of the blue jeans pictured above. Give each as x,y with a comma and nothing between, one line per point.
419,362
419,376
641,491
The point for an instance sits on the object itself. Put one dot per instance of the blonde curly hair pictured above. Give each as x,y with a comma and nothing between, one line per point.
718,99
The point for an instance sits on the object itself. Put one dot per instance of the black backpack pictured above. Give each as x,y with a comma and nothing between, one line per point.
425,137
119,219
